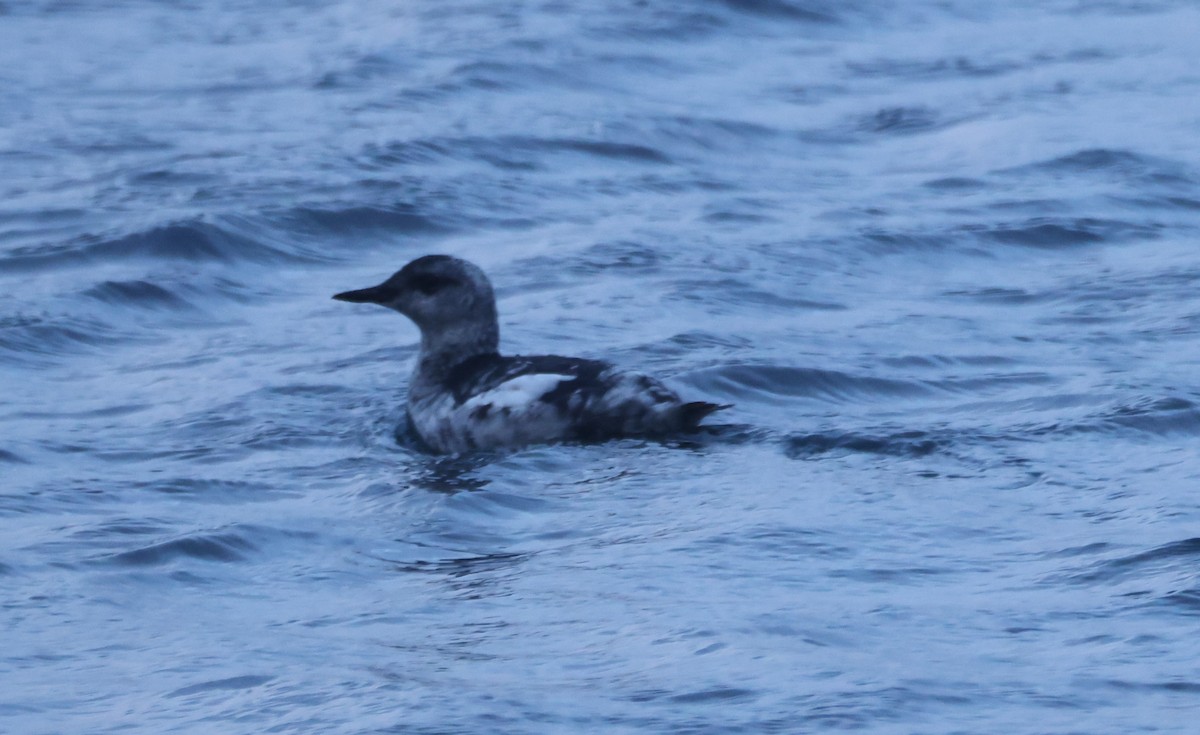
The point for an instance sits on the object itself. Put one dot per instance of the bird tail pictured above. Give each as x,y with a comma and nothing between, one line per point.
691,414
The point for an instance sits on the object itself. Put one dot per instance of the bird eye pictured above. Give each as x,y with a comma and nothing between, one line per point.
429,284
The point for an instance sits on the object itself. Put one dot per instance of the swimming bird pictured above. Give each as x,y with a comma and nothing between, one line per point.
465,396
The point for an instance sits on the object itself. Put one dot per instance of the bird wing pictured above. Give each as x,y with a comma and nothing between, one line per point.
536,377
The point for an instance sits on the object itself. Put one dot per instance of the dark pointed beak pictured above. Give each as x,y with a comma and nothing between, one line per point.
373,295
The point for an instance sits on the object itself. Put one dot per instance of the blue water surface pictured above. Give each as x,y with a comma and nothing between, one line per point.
943,257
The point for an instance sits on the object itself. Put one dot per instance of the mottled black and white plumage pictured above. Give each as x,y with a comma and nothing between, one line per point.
464,395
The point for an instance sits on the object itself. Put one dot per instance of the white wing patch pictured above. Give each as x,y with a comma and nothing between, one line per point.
521,391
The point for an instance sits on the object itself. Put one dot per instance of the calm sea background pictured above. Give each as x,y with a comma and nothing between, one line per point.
944,257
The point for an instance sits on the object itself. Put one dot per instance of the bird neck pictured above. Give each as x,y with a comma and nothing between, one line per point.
442,349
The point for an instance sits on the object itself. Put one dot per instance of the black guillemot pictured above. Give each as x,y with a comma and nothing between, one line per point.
465,396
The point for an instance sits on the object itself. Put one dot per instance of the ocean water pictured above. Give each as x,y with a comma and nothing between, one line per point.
943,257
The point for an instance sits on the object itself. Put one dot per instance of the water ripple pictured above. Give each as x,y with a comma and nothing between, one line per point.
508,152
1049,232
142,294
399,219
41,340
222,547
194,241
12,457
1177,554
1119,165
233,683
899,444
760,382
